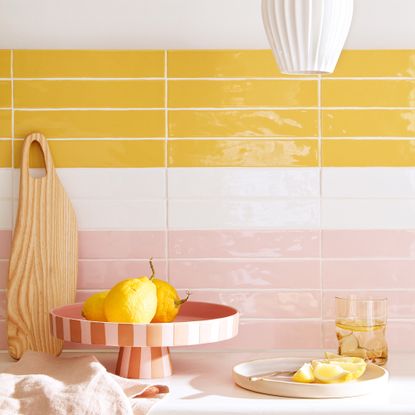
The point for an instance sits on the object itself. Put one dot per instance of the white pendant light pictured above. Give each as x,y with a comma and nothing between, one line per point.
307,36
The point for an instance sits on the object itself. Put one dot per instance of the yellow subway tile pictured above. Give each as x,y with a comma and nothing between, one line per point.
5,63
5,94
105,153
88,63
368,93
241,93
243,123
243,153
5,124
376,63
221,63
368,153
89,94
90,123
368,123
5,153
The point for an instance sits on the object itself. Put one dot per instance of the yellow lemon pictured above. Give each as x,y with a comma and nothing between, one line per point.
168,301
355,365
93,307
305,374
331,373
131,301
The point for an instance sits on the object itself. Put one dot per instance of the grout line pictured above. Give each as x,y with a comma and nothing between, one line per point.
13,137
166,162
320,158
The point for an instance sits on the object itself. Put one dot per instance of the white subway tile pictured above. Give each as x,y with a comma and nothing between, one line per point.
5,183
5,213
121,214
368,213
111,183
243,182
241,214
368,182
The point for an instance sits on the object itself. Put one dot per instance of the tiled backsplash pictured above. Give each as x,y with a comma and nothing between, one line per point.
254,189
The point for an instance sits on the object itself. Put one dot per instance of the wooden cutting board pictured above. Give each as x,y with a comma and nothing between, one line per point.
44,257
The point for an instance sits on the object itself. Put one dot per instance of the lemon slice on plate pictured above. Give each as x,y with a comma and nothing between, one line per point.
331,373
304,374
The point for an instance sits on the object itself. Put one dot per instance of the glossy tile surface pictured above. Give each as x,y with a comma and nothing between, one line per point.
5,243
88,63
243,244
89,94
243,153
363,182
5,94
221,64
5,124
376,63
242,182
368,153
367,93
5,63
243,123
5,153
251,274
372,243
91,124
368,123
368,274
266,304
107,153
121,244
245,214
242,93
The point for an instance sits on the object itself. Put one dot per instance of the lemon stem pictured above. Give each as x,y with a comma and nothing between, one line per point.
153,272
178,303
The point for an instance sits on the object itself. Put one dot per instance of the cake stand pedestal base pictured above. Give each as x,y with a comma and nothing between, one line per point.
144,362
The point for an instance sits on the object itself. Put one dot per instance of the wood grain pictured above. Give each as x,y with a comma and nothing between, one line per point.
44,257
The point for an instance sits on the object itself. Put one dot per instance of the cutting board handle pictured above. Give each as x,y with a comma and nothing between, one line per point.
47,156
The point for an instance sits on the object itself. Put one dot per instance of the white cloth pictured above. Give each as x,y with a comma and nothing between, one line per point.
46,385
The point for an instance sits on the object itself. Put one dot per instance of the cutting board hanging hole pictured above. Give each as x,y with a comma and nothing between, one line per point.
37,163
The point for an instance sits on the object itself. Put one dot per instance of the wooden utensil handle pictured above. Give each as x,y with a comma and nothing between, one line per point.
47,157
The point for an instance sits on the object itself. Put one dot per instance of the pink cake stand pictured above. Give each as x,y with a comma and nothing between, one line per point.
144,348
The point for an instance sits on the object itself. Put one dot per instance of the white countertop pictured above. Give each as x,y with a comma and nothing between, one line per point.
202,384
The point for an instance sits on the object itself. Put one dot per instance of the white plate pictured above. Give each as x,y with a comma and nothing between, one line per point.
374,378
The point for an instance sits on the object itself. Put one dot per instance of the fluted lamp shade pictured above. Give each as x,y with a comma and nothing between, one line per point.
307,36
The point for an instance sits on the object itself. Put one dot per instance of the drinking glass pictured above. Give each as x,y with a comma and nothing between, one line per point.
361,326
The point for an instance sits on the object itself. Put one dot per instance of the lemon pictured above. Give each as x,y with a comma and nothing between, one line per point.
93,307
305,374
168,301
131,301
331,373
355,365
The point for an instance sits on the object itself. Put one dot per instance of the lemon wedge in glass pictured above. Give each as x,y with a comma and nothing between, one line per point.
304,374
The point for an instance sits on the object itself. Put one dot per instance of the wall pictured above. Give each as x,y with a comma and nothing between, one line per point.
266,192
180,24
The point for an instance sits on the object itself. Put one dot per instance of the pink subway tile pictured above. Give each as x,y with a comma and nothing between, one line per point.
99,275
400,335
401,304
3,304
4,272
245,274
276,334
368,243
243,244
368,274
5,244
3,335
265,304
121,244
